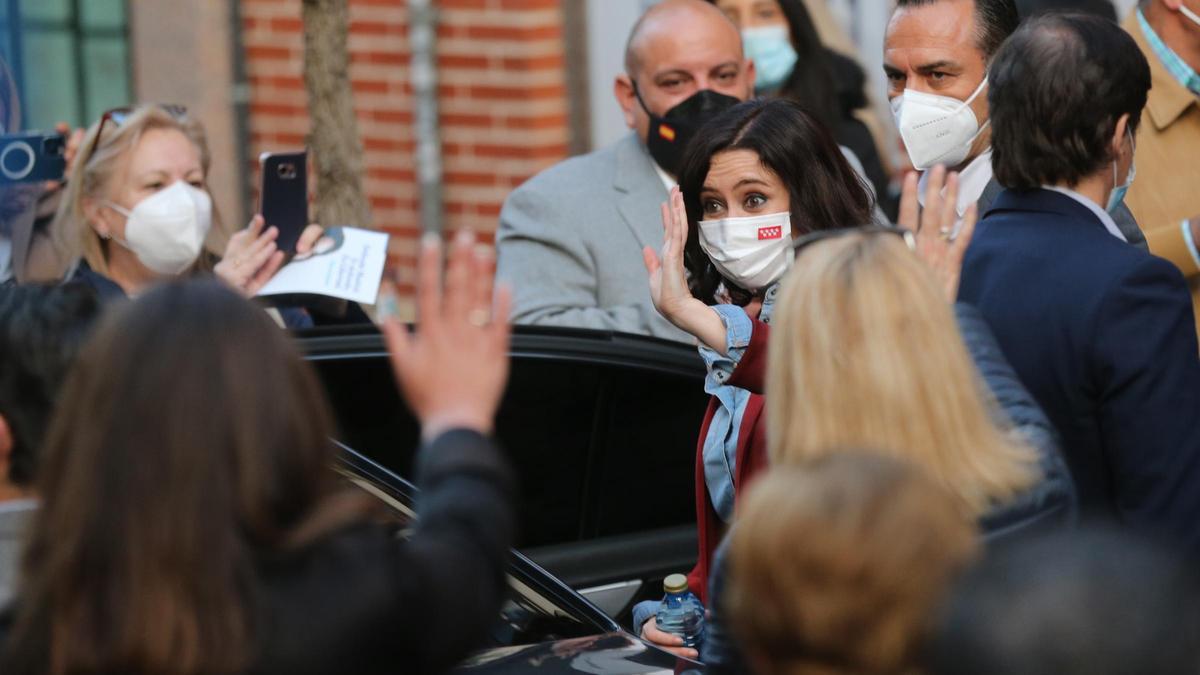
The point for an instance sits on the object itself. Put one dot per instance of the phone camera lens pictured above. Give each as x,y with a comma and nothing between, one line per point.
17,160
287,171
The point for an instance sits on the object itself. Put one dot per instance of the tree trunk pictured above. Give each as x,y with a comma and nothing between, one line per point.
333,142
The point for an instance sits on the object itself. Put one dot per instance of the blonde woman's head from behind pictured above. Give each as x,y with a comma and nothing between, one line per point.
836,567
865,352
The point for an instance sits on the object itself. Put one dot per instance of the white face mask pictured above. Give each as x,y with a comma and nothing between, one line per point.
752,252
936,129
166,231
1192,16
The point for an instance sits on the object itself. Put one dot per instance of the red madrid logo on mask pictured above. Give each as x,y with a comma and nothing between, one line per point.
765,233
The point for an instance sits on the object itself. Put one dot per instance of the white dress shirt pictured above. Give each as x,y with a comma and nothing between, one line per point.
972,181
667,179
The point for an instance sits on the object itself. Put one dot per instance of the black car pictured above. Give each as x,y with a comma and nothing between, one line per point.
601,429
544,626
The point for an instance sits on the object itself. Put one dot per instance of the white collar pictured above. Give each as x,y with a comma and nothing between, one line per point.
667,180
1109,223
972,181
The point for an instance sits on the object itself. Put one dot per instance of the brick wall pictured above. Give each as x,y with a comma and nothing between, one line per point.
503,102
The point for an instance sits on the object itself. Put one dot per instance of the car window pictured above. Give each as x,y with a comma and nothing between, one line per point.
646,476
545,425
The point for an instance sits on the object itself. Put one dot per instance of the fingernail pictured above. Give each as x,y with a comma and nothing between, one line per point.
465,236
431,240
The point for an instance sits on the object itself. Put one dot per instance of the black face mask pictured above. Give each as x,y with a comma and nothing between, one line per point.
669,135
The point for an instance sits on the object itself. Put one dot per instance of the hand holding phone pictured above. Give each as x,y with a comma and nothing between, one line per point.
283,200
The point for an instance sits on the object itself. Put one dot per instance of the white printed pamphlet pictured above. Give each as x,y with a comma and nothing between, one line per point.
346,262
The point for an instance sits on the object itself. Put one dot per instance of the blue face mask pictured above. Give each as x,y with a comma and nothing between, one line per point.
1118,194
770,47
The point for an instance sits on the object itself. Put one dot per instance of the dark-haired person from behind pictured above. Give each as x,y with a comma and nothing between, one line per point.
41,330
1100,332
1091,602
192,521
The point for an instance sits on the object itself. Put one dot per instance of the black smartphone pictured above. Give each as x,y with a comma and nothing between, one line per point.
32,157
283,201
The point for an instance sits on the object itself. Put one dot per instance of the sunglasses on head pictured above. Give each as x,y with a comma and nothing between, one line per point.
811,238
119,115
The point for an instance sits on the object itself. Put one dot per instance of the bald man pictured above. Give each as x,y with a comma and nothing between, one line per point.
570,239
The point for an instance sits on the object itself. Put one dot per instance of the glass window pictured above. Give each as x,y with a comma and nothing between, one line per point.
45,10
70,58
103,14
105,60
44,99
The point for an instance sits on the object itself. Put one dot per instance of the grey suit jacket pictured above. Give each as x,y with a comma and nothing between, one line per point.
570,243
13,520
1122,216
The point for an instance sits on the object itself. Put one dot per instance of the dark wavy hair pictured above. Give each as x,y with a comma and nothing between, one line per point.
191,443
1058,87
995,20
824,190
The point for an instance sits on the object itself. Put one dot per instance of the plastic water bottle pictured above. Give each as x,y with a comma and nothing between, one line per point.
681,612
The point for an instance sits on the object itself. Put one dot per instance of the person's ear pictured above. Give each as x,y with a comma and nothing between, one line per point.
626,98
1118,138
93,214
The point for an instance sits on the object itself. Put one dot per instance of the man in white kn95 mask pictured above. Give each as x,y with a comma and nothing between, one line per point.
936,55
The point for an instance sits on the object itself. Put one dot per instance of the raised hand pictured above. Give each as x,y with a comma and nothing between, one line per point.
939,246
452,370
251,258
668,282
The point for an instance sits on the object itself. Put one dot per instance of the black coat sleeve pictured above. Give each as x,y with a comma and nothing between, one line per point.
452,570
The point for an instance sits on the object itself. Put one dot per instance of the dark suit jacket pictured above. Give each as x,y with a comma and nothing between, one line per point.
1123,217
1102,335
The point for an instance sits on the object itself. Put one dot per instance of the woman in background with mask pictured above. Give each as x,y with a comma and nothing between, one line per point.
137,209
754,178
790,61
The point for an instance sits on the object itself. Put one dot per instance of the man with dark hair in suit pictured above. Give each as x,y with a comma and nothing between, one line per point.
936,55
1100,332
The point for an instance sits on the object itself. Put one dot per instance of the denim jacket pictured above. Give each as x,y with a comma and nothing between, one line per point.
720,445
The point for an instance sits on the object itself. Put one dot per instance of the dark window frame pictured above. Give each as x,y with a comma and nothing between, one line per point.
16,27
